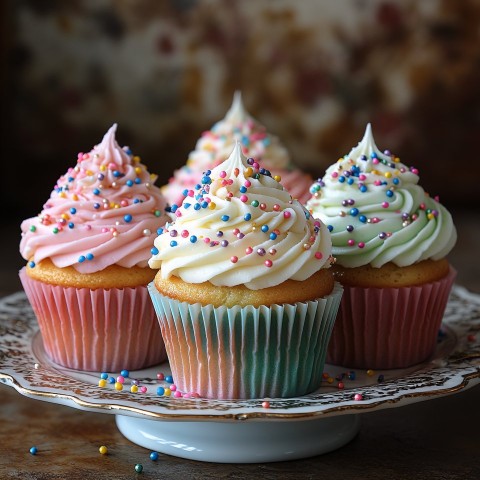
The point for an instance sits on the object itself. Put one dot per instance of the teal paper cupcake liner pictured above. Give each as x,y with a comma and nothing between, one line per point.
264,352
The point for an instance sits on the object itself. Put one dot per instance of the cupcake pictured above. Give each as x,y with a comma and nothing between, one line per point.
244,294
390,241
216,144
87,268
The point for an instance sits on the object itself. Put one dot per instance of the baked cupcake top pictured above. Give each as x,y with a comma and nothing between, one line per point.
376,211
216,144
241,227
102,212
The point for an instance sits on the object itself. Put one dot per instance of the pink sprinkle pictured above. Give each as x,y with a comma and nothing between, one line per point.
234,259
287,214
377,183
160,376
248,183
415,171
88,227
248,250
243,198
358,397
206,240
385,204
276,207
104,230
177,394
268,263
375,161
361,245
178,213
255,165
191,193
334,174
173,387
120,379
112,165
351,242
184,233
236,231
263,206
223,174
124,203
318,255
266,404
143,389
362,177
375,220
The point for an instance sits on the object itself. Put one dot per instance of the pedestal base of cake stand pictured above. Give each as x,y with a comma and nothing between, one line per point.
247,441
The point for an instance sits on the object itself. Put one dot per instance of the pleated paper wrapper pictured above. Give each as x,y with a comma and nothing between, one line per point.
104,330
387,328
239,353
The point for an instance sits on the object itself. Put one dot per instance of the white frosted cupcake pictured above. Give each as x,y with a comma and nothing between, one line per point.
244,293
216,144
390,240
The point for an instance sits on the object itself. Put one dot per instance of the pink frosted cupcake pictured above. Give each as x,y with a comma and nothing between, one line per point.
390,240
87,268
244,294
216,144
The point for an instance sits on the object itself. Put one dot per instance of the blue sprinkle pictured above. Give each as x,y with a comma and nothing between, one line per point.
104,376
363,188
187,205
204,204
89,256
73,211
96,206
159,231
33,450
136,200
350,181
169,379
206,180
354,212
264,228
31,264
125,373
396,181
129,183
154,250
174,208
160,391
138,181
363,218
225,218
128,218
185,192
154,456
273,236
111,380
197,206
341,179
247,217
173,243
71,225
96,191
389,193
193,239
330,228
81,259
243,189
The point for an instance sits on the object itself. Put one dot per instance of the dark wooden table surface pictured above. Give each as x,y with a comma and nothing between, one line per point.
434,439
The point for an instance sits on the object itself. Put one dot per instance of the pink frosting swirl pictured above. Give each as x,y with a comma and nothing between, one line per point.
104,211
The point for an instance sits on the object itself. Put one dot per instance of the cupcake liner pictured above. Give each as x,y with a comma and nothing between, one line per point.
105,330
385,328
228,353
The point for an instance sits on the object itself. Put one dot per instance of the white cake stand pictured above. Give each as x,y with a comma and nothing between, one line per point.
241,431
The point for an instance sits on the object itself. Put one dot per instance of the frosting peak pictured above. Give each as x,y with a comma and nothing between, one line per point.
376,211
103,211
240,227
237,113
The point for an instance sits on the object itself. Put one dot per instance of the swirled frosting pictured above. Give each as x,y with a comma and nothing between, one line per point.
216,144
376,211
241,227
104,211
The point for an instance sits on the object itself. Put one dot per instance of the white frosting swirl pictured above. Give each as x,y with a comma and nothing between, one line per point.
376,211
241,228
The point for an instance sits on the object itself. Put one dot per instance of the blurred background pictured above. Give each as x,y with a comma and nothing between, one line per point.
313,72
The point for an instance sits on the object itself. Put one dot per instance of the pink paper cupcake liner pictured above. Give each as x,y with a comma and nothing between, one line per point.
264,352
385,328
104,330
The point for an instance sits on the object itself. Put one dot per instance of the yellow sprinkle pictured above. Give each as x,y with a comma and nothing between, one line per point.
65,216
89,173
102,383
330,380
277,178
430,216
248,172
138,170
388,175
397,159
103,168
116,205
103,450
118,386
134,389
209,146
370,373
75,197
136,159
62,195
167,392
212,205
